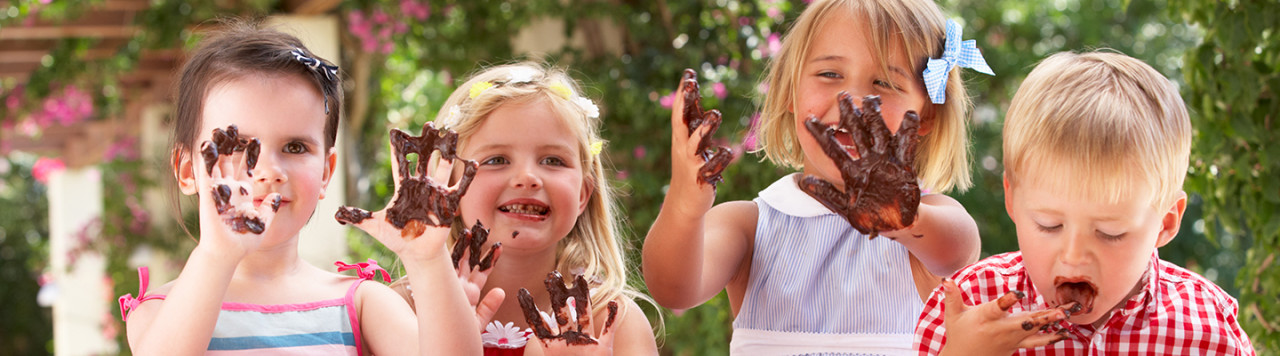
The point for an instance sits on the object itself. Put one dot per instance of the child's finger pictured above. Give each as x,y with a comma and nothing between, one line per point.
953,300
1009,299
487,262
541,323
608,322
1040,319
678,129
488,306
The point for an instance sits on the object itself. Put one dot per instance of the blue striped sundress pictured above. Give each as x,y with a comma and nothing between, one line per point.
818,286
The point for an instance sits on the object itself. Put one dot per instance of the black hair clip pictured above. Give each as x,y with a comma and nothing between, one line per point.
330,71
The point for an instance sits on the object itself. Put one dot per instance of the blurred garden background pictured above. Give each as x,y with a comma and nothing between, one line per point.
81,82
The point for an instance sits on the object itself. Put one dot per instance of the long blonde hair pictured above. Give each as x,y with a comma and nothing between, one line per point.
592,247
942,160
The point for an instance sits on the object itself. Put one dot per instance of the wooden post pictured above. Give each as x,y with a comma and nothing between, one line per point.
81,307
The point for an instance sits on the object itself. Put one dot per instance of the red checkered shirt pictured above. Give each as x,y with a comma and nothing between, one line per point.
1178,312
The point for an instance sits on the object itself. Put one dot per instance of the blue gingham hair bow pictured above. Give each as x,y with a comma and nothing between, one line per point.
955,52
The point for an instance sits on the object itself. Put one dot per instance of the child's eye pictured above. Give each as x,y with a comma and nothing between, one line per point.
554,161
295,148
1054,228
1109,237
832,75
886,85
496,160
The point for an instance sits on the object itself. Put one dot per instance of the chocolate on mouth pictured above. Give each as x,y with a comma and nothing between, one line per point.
527,209
1076,291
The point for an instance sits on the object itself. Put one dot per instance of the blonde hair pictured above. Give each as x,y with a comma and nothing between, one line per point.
1104,119
942,159
593,244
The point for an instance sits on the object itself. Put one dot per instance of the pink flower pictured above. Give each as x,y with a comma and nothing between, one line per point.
622,175
668,100
415,9
380,17
46,167
388,47
772,45
720,91
749,141
639,152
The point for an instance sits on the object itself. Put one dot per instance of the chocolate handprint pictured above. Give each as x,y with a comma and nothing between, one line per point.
880,188
716,159
473,240
418,197
226,143
572,321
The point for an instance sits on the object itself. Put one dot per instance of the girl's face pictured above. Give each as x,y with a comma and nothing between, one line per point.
530,180
836,63
287,114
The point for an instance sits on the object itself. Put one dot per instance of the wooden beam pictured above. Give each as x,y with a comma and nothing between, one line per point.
310,7
69,31
34,56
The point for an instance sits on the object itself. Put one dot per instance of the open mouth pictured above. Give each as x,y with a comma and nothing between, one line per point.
525,209
1076,290
845,140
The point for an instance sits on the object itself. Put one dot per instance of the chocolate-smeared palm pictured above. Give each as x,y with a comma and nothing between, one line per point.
572,320
716,158
226,143
473,240
880,188
419,200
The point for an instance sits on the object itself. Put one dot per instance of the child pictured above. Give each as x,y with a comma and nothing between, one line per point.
244,289
800,278
1095,151
541,191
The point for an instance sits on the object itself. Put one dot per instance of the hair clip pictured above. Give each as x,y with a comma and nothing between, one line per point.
587,106
521,75
562,90
955,53
330,71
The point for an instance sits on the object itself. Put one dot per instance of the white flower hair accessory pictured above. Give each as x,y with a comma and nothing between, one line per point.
587,106
521,75
454,113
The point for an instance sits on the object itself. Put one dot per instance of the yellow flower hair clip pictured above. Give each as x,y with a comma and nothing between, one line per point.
562,90
479,87
597,147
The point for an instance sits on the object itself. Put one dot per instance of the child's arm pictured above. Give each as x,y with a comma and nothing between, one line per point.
944,236
633,333
183,323
446,323
693,250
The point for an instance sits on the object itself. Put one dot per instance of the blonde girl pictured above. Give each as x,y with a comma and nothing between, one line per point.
799,277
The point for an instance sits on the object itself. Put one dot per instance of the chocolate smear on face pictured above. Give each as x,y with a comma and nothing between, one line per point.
880,188
1081,292
419,197
694,117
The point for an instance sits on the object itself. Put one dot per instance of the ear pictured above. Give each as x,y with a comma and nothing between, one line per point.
585,197
1008,194
330,164
927,122
1172,220
183,171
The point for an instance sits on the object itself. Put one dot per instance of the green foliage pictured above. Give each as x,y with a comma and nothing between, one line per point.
1232,81
25,328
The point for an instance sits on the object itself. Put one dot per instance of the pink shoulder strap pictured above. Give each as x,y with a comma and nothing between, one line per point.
128,302
366,271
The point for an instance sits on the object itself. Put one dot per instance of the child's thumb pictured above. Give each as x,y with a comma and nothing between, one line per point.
952,299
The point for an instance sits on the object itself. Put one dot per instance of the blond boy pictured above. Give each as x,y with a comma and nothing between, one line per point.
1096,147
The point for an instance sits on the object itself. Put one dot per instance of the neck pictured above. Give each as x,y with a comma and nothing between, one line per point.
270,262
515,270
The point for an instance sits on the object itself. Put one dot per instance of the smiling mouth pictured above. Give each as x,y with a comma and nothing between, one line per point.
1077,291
845,140
526,209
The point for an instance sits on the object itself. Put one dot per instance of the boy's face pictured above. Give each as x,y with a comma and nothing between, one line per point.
1077,248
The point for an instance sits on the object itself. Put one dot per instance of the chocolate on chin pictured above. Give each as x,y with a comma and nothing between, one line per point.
694,117
880,192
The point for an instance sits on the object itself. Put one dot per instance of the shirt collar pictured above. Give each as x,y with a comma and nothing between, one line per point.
785,196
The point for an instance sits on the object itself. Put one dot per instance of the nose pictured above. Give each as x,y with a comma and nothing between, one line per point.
268,170
1074,250
525,178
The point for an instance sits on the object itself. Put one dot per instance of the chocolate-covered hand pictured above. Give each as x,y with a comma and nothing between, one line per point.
474,273
233,199
716,159
571,325
991,329
422,197
880,188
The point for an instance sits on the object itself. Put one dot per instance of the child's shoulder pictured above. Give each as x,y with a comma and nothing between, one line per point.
1185,287
1004,264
